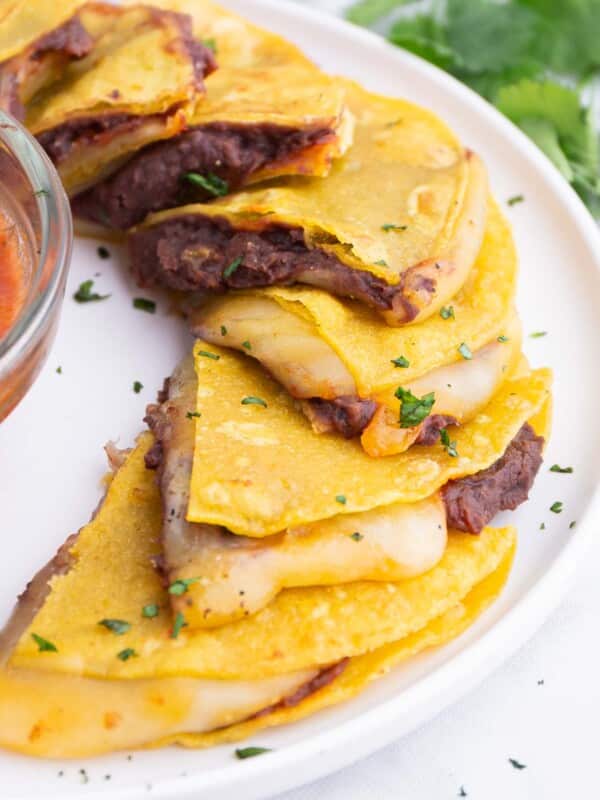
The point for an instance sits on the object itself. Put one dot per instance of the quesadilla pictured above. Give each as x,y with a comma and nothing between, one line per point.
216,576
268,111
142,69
37,41
404,255
94,662
345,364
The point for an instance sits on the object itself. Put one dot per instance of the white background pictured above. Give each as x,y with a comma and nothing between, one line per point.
551,727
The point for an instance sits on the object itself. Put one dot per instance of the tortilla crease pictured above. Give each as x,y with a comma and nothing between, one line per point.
263,78
430,209
113,577
366,345
24,21
258,470
79,727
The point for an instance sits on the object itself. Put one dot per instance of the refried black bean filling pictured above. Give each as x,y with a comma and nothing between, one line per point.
155,178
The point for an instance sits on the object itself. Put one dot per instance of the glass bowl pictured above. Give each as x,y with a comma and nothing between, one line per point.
36,208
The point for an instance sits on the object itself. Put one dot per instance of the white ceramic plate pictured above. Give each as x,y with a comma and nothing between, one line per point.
51,460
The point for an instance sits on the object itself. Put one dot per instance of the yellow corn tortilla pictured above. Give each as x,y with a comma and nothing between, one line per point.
406,170
52,715
263,78
260,470
24,21
113,577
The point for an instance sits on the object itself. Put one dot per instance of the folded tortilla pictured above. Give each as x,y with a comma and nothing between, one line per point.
346,362
85,697
143,68
37,41
253,446
397,225
268,111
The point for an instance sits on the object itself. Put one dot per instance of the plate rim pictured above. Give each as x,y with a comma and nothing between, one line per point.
468,668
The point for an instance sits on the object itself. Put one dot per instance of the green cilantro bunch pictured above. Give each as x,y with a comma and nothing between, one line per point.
533,59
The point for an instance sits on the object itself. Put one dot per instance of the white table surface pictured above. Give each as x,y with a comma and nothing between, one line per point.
542,709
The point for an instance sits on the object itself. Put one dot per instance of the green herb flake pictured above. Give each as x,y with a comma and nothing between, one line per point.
206,354
211,183
150,611
118,626
193,414
543,526
250,752
413,410
59,370
401,362
178,624
211,43
143,304
180,586
447,312
516,198
42,193
390,226
516,764
465,351
85,294
126,654
341,499
502,339
246,345
223,330
228,271
556,507
44,646
381,263
562,470
253,401
449,447
137,387
356,536
572,524
538,334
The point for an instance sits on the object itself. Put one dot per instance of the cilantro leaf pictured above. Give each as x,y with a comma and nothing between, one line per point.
413,410
365,12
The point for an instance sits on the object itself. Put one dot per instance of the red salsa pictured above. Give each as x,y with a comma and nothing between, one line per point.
12,282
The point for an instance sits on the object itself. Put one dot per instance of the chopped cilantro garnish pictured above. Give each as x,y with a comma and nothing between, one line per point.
223,330
356,536
137,387
253,401
118,626
556,507
180,586
228,271
340,498
502,339
150,611
143,304
85,294
390,226
103,252
572,524
178,624
211,43
447,312
206,354
543,526
381,263
211,183
59,370
44,646
193,414
250,752
246,345
557,468
401,362
465,351
42,193
517,198
516,764
538,334
413,410
449,447
126,654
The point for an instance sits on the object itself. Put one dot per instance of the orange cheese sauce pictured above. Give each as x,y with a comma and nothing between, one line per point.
12,280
